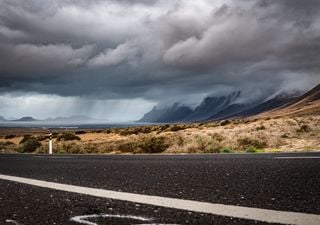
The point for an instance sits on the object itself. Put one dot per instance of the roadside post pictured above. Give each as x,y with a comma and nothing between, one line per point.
50,144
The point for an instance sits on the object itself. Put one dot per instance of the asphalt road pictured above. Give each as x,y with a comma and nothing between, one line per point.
284,182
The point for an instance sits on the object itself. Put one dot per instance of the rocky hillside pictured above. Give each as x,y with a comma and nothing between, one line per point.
232,106
307,104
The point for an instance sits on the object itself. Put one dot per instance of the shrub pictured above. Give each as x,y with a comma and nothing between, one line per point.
43,149
245,143
217,137
153,144
253,150
80,132
10,136
30,145
284,136
135,130
123,132
275,150
93,148
42,137
304,129
129,131
68,137
180,140
26,138
212,147
225,122
145,129
201,142
308,148
261,128
164,127
141,144
176,128
225,150
55,135
7,143
130,146
70,148
207,144
7,146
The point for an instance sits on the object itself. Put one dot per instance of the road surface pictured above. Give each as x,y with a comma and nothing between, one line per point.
160,189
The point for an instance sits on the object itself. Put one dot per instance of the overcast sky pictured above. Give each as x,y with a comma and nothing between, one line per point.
117,59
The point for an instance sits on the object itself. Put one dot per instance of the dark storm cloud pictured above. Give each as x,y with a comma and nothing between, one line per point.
157,49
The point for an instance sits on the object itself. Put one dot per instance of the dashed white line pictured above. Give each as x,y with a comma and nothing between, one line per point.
266,215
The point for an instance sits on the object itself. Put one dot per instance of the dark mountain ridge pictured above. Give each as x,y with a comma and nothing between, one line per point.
207,109
268,105
73,118
25,119
170,114
211,106
306,104
310,96
230,106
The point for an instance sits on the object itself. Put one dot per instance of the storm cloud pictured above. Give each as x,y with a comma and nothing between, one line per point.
157,51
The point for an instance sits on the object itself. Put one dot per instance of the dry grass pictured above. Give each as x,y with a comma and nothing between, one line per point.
264,134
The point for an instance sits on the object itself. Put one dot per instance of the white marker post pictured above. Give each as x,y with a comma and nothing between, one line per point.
50,144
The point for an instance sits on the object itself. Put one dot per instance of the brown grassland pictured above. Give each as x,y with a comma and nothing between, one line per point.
265,134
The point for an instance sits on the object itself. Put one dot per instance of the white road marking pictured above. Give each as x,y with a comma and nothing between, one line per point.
297,157
266,215
12,221
84,219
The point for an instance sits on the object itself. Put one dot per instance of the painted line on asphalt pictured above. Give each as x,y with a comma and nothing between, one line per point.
297,157
11,221
84,219
265,215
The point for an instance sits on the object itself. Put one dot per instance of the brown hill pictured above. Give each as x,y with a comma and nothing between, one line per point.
307,104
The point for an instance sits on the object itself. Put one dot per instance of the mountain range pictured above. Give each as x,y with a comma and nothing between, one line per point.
306,104
217,108
74,118
173,113
232,106
25,119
